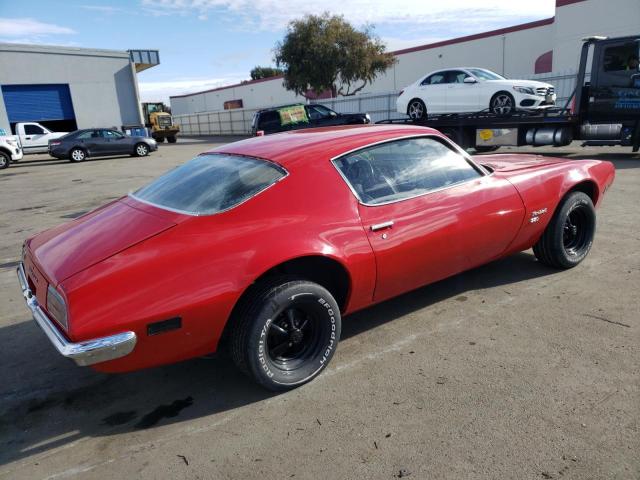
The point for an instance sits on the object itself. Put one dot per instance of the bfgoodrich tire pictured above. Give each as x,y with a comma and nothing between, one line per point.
568,238
285,333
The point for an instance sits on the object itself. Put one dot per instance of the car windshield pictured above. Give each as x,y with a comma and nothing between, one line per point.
482,74
210,183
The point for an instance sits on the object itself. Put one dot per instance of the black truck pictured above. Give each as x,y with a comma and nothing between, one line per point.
604,110
297,116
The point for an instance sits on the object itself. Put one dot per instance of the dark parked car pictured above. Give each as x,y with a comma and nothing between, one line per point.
293,117
98,142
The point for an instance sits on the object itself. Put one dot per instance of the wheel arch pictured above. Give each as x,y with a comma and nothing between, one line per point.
327,271
414,99
589,187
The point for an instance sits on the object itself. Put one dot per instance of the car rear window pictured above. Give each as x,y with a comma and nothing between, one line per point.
210,184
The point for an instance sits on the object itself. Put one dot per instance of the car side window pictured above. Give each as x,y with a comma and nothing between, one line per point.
318,112
435,79
33,130
269,120
456,76
85,135
404,169
111,134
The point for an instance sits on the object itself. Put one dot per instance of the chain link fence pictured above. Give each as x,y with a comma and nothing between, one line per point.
380,106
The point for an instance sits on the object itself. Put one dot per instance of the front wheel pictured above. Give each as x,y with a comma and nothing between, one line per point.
5,160
285,332
568,238
141,150
172,139
502,103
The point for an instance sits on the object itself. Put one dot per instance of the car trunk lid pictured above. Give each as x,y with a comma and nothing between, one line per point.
72,247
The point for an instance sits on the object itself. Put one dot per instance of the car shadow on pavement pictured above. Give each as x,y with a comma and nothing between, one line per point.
47,402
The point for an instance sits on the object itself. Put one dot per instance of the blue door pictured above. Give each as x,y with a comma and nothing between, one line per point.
38,103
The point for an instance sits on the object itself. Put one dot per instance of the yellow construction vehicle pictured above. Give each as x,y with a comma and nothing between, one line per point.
157,117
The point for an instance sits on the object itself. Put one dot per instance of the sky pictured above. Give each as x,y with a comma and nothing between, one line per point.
206,44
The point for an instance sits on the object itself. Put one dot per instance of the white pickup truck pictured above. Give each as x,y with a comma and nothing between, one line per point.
34,138
10,150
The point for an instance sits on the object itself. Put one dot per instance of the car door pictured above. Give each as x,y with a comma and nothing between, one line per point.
461,96
35,138
90,140
429,211
433,90
321,116
116,142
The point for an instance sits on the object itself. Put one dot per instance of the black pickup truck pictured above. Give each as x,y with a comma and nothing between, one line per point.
297,116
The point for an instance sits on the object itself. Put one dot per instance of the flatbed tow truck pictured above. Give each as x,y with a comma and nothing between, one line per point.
602,111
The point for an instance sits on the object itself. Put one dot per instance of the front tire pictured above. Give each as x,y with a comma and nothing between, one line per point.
77,155
5,160
502,103
141,150
569,236
417,110
285,333
172,139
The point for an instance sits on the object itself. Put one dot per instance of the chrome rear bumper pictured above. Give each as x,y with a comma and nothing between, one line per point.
83,353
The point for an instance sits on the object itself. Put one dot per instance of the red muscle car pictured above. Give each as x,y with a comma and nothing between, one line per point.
263,245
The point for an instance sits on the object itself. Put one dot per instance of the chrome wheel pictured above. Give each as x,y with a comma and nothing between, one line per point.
78,155
417,110
502,104
142,150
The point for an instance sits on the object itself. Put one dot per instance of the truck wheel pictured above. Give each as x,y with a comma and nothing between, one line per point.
5,160
159,139
172,139
141,150
285,332
568,238
417,110
77,155
502,103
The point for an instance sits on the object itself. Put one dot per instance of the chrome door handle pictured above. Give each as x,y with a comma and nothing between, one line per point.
381,226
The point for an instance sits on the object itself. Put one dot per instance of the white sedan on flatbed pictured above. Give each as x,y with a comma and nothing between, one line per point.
466,90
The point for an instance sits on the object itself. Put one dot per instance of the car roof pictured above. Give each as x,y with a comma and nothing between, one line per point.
296,146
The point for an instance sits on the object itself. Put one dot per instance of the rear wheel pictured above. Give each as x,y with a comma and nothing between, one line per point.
159,139
5,160
417,110
141,150
77,155
285,332
502,103
568,238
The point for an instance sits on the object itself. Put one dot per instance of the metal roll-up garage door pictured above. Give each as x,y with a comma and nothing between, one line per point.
38,103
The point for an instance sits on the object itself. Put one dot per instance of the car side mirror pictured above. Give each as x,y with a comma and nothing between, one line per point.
470,80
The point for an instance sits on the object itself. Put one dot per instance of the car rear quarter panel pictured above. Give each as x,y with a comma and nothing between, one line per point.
199,269
544,187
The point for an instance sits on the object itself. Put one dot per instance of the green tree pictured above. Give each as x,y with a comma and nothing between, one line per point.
259,72
322,52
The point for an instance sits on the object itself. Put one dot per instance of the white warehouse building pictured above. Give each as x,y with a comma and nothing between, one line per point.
64,88
545,46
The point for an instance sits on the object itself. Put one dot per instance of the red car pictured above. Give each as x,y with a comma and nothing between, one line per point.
265,244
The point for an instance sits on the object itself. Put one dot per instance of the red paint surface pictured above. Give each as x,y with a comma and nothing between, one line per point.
128,264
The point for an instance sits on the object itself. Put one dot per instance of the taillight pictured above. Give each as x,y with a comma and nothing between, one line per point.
260,133
56,307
